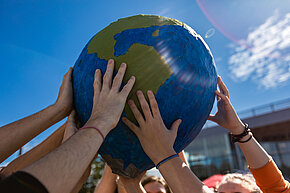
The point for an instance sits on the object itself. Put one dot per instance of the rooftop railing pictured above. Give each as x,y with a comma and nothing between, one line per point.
259,110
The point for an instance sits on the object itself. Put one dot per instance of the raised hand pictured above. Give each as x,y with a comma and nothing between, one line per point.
64,100
109,101
131,185
156,140
226,115
70,126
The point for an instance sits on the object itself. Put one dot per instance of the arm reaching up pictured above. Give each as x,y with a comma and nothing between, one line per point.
16,134
157,142
267,175
107,183
61,169
55,170
227,117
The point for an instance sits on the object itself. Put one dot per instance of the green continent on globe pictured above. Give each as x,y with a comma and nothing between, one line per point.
140,68
167,57
148,58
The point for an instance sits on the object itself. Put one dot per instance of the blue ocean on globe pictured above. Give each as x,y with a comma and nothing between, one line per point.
188,93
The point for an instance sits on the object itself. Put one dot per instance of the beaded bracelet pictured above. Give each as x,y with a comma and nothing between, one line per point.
166,159
98,130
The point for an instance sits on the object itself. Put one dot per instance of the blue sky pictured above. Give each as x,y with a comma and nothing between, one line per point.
40,40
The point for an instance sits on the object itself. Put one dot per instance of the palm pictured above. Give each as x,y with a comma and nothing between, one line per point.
226,116
222,115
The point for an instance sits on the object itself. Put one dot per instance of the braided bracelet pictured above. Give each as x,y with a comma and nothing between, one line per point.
98,130
251,135
165,160
237,138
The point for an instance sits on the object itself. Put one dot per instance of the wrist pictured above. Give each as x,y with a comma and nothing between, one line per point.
162,155
60,109
237,129
101,125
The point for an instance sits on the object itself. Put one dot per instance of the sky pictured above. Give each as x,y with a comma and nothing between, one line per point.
40,40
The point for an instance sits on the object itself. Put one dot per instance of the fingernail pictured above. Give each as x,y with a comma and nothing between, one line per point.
139,92
111,61
150,91
132,77
130,101
123,64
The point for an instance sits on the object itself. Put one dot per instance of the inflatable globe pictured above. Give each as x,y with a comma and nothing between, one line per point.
167,57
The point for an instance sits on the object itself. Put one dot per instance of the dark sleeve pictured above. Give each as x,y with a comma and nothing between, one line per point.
21,182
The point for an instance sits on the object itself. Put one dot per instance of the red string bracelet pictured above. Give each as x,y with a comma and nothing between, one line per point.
98,130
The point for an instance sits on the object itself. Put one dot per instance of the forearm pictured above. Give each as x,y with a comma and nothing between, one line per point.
48,145
60,170
80,183
18,133
180,178
254,153
107,183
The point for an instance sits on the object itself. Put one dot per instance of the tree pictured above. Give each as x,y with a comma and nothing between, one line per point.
97,169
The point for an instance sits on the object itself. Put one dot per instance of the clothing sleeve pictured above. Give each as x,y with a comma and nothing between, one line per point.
269,178
21,182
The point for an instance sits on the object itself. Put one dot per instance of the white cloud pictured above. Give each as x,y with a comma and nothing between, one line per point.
265,55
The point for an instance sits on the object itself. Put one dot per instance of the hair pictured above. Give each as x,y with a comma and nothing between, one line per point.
245,180
149,179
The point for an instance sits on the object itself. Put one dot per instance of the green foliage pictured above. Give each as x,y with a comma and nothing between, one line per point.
97,169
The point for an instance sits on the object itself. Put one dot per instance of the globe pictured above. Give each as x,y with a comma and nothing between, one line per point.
167,57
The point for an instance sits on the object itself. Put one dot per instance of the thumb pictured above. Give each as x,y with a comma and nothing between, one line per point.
212,118
175,126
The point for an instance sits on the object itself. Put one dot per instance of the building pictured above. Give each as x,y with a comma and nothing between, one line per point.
212,151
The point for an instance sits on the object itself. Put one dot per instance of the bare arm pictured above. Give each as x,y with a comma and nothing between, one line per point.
227,118
131,185
107,183
48,145
82,180
16,134
183,158
45,147
55,169
157,142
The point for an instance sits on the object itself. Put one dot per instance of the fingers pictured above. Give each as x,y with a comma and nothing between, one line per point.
222,96
107,79
222,87
153,104
72,115
131,125
68,75
144,105
71,119
97,82
136,112
175,126
119,77
128,87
